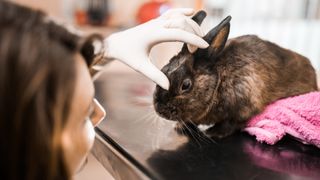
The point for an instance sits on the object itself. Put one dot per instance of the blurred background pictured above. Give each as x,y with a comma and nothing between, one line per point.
293,24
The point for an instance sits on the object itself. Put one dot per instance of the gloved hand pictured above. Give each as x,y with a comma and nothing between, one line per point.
132,46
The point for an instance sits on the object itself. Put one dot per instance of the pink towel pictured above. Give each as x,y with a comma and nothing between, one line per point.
298,116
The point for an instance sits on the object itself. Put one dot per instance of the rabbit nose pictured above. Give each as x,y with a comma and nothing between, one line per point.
161,98
159,107
156,106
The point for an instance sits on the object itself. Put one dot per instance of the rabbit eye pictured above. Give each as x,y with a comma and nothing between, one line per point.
186,85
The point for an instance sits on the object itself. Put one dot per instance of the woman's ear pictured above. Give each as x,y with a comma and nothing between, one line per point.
217,37
91,48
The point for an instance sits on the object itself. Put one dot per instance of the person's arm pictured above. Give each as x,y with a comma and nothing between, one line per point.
132,46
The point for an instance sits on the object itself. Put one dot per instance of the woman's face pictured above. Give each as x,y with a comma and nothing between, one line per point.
78,134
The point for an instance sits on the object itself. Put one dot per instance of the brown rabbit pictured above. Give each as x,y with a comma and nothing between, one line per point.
231,81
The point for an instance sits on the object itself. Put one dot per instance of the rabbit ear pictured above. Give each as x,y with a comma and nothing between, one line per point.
217,37
198,18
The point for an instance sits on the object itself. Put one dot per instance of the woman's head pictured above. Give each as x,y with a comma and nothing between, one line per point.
46,96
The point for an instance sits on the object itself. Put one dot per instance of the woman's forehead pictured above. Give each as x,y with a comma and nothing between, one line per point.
84,89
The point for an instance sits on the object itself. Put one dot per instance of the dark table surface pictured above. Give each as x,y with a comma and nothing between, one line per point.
150,147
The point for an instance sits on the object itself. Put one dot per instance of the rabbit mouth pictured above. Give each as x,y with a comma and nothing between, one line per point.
184,113
172,113
167,112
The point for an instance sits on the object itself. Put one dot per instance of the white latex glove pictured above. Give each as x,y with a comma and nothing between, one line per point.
133,46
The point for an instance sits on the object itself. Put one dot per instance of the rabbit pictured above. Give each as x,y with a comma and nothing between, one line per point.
231,81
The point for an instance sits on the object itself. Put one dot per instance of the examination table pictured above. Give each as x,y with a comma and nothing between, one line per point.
133,143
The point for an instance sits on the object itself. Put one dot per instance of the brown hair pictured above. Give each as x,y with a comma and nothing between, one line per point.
37,81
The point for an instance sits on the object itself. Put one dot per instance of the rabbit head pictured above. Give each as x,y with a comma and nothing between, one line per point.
193,82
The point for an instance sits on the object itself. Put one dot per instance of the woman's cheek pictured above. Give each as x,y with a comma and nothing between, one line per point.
89,134
84,145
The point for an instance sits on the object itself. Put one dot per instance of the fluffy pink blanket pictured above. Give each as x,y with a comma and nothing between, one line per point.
298,116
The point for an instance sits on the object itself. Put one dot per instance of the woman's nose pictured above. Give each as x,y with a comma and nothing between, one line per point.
98,114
